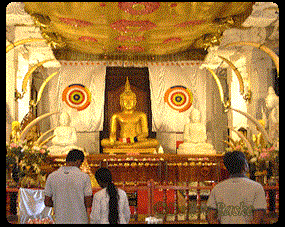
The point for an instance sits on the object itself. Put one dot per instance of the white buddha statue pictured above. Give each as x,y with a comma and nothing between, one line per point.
65,137
272,103
195,137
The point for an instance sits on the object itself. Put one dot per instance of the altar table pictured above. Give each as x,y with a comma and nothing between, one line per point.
138,169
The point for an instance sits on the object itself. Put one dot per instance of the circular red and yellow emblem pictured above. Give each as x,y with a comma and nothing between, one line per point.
179,98
77,96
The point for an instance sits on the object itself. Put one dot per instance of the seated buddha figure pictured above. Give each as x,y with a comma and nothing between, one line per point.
195,137
64,137
16,131
133,125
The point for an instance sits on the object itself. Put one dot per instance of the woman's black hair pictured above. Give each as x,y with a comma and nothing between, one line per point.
104,175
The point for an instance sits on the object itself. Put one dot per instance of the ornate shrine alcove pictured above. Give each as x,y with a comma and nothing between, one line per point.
115,84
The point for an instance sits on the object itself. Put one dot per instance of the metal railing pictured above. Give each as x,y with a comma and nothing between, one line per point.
188,204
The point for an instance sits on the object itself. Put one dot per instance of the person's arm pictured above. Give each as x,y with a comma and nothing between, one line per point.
126,208
88,195
88,201
259,205
48,192
95,215
88,204
258,216
48,201
212,208
212,216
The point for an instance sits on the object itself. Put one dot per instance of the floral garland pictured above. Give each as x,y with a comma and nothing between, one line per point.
260,154
25,161
40,221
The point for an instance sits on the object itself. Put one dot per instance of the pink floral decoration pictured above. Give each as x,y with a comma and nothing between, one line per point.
264,155
238,147
75,22
14,145
40,221
88,38
143,7
190,23
271,149
130,48
126,25
123,38
174,39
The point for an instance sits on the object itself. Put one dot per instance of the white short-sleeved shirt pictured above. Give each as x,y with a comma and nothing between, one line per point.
100,208
67,187
235,199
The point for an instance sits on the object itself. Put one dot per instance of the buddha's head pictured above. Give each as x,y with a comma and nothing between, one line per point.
64,119
15,125
128,99
272,99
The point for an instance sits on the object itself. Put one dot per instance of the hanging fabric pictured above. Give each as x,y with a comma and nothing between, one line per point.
80,90
175,89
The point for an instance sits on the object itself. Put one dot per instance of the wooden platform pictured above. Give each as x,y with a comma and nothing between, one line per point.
140,168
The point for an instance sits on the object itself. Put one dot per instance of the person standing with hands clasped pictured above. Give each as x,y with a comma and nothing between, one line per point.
110,205
237,200
69,191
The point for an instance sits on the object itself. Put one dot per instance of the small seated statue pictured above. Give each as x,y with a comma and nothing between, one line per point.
195,137
133,126
16,131
64,137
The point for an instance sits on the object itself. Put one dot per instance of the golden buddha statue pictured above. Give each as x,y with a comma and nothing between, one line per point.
133,127
258,139
16,131
241,142
86,169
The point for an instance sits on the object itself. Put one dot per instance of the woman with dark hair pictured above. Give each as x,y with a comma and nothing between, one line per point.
110,205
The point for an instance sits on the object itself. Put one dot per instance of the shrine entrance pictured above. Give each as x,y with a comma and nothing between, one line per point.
115,85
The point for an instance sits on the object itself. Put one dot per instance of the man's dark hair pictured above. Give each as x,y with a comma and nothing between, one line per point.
75,155
234,161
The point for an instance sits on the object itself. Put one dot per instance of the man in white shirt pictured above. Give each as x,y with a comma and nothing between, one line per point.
69,191
237,200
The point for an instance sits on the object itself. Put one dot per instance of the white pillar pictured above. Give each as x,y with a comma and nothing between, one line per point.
11,111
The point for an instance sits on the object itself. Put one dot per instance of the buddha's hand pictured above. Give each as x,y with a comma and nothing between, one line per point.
141,137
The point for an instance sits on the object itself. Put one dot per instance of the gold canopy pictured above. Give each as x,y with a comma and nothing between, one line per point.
136,28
